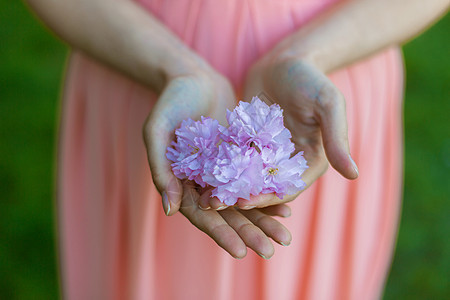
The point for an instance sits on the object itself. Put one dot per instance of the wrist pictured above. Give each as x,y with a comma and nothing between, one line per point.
178,63
294,50
182,62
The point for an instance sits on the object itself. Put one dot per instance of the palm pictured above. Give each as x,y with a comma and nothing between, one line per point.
314,112
192,96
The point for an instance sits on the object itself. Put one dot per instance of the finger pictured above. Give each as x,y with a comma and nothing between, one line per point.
333,124
203,201
261,200
217,204
166,183
207,202
280,210
271,227
168,112
211,223
252,236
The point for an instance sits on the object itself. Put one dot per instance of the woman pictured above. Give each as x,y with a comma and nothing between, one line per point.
154,63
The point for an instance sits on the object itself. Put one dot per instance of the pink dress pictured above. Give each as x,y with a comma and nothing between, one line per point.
116,242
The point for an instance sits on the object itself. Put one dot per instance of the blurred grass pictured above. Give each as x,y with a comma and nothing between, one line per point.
31,63
31,66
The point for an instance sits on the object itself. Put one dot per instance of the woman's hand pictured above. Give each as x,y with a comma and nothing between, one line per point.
293,75
202,92
205,92
233,229
314,112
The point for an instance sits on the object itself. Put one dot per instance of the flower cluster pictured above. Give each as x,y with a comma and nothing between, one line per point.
249,157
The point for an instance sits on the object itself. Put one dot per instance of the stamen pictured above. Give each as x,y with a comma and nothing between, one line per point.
273,171
195,149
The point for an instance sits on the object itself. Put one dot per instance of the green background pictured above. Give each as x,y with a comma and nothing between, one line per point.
31,66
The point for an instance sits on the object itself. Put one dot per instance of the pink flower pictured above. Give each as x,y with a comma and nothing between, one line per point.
251,156
282,174
237,174
195,147
257,124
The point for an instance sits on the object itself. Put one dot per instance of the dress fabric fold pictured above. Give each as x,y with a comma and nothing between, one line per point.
115,241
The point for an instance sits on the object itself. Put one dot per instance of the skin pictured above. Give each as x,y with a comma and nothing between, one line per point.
132,41
294,74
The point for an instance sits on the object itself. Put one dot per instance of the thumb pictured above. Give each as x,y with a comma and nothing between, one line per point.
157,137
172,107
333,125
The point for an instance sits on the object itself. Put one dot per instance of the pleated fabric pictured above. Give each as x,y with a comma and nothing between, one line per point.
115,241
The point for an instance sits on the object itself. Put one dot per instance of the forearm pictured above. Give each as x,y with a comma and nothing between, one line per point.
122,35
357,28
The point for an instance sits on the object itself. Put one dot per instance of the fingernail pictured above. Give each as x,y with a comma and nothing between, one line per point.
248,207
204,208
221,207
262,256
166,203
354,165
283,244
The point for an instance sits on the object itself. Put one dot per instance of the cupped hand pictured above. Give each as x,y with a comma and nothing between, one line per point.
314,112
202,92
205,93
